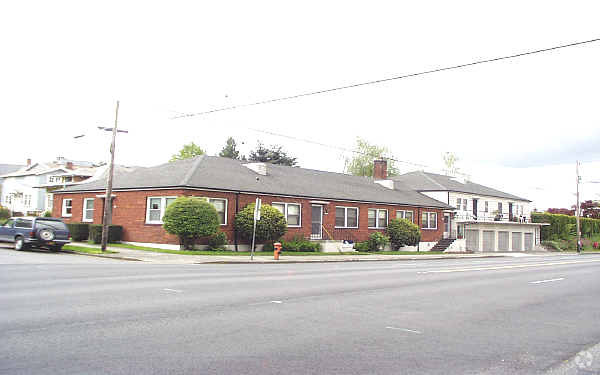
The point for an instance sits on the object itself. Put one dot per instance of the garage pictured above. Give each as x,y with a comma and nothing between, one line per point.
489,243
517,241
502,241
472,237
528,241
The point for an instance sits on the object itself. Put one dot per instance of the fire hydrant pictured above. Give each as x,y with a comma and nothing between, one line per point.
276,250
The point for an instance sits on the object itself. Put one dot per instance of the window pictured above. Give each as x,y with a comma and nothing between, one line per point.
458,203
8,199
67,207
221,206
23,223
346,217
291,211
464,204
49,201
27,200
378,218
408,215
486,206
500,207
155,208
429,220
88,209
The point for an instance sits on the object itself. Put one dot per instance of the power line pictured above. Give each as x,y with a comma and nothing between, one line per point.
354,85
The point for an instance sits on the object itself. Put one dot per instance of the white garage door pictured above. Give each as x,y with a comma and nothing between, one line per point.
472,236
517,241
489,240
502,241
528,241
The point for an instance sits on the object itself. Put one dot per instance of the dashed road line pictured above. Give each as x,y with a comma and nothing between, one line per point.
448,270
405,330
546,281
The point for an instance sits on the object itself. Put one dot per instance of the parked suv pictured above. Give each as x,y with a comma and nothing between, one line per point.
26,232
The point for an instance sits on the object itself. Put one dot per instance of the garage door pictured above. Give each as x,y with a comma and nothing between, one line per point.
489,240
472,236
517,241
528,241
502,241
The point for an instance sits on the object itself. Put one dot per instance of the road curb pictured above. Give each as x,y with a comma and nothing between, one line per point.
101,256
341,260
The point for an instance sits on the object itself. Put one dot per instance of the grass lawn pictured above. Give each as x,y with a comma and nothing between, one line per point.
265,253
87,250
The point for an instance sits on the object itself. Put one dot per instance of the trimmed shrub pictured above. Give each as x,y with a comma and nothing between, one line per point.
190,219
217,241
376,242
361,246
4,213
115,233
402,232
269,228
47,214
80,231
562,227
299,243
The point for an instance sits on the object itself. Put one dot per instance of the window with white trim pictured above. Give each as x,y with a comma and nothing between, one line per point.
465,204
429,220
220,205
458,203
378,218
88,210
49,201
403,214
27,200
155,208
500,207
346,217
67,207
291,211
486,206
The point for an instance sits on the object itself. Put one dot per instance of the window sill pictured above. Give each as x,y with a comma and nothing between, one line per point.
345,227
154,222
294,226
67,216
429,229
87,221
377,228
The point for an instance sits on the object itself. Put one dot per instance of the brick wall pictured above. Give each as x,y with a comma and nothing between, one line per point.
130,212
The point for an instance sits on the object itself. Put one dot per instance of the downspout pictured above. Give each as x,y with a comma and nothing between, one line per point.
235,233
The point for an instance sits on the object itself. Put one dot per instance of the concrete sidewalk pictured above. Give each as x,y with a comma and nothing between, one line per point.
167,258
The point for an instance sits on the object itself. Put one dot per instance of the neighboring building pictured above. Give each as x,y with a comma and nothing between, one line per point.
6,169
317,205
485,219
28,190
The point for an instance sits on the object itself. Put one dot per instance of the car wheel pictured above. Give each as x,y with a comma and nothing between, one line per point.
46,235
20,244
56,248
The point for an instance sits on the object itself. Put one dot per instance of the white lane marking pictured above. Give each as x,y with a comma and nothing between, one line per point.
173,290
506,267
276,301
546,281
405,330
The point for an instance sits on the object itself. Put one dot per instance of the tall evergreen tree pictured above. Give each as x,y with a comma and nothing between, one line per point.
273,155
230,151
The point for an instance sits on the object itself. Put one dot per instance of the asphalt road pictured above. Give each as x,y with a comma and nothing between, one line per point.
69,314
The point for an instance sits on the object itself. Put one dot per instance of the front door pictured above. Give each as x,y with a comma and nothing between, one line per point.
316,232
446,225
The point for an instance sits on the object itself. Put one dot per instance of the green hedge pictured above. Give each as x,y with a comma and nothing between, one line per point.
562,227
79,231
115,232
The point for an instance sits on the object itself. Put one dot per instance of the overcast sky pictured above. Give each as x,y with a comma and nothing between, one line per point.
516,125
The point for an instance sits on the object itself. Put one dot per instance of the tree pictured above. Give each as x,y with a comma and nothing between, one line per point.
361,164
450,160
273,155
562,211
590,209
230,151
188,151
271,226
403,232
190,219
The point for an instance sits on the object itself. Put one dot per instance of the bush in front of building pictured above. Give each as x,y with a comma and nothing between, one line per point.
299,243
217,241
80,231
402,232
376,242
190,219
115,233
562,227
4,213
47,214
269,228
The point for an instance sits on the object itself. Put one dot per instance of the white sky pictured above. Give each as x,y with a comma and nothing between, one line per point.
516,125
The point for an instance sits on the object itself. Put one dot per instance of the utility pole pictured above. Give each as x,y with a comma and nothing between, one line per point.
577,208
108,198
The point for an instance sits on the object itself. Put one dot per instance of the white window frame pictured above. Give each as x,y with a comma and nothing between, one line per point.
163,207
387,218
85,209
459,204
346,216
64,207
27,200
49,201
226,207
286,212
403,216
486,206
429,213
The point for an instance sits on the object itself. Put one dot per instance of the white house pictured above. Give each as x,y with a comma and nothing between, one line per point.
485,219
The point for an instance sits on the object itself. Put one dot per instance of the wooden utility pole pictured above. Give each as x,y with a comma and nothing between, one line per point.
108,198
577,209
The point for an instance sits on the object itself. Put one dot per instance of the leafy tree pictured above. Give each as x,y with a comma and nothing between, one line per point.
450,160
361,164
403,232
230,151
4,214
188,151
273,155
190,219
562,211
590,209
269,228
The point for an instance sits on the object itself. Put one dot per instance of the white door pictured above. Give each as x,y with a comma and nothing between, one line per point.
517,241
316,231
502,241
489,240
472,237
528,241
446,225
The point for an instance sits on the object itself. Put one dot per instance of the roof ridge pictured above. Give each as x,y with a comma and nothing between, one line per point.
192,169
432,180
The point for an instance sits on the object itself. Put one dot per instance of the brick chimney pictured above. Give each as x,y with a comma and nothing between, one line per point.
28,162
380,169
69,165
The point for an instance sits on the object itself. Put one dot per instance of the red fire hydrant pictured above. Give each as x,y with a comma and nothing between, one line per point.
276,250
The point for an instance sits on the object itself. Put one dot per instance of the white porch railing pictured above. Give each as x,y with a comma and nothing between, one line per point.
487,216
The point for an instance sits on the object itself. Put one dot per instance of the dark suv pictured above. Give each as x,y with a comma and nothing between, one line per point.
26,232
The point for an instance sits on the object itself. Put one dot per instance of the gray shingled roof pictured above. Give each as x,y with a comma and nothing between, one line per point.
423,181
211,172
9,168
